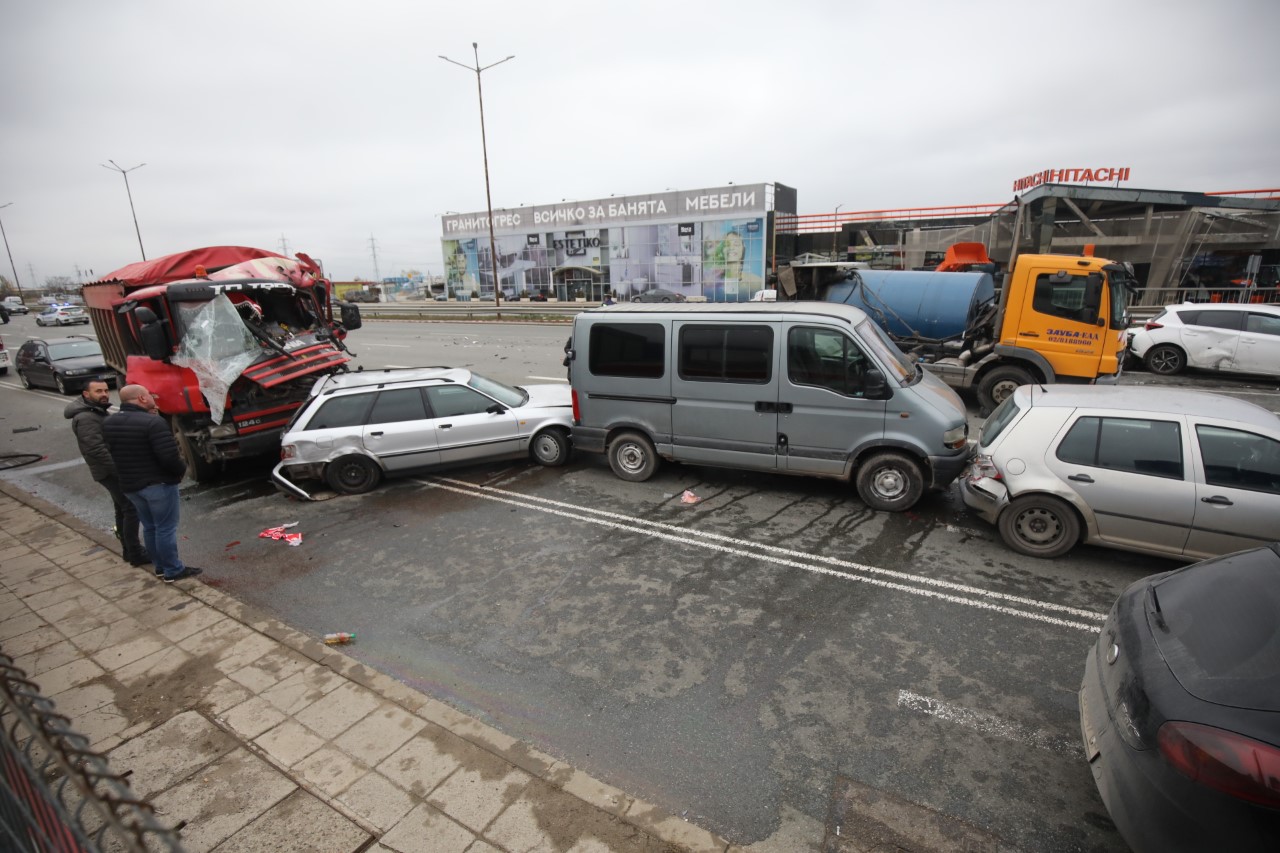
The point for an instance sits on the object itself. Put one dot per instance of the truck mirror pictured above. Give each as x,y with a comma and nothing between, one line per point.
874,386
350,315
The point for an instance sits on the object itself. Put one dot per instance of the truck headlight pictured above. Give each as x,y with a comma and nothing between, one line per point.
956,437
222,431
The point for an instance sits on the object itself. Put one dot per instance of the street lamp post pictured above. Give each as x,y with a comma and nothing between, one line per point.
836,236
125,174
10,254
484,145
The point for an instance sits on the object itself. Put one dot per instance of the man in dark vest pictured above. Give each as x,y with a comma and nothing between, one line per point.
150,468
87,414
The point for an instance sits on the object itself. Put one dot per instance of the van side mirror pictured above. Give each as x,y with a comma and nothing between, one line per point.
873,385
350,315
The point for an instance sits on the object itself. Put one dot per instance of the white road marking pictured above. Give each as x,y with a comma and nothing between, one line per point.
901,581
550,378
398,366
54,466
397,346
987,724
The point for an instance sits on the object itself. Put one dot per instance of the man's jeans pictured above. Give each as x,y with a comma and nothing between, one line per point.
157,507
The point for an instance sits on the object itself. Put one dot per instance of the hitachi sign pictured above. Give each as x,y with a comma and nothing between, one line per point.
1071,176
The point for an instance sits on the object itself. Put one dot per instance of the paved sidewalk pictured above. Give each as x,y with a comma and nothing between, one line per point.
262,738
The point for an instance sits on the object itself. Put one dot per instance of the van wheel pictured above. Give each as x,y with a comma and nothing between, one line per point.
550,447
1165,360
1040,526
890,482
352,474
999,384
632,457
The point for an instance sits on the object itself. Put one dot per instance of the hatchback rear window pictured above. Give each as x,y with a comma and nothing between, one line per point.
995,423
1232,321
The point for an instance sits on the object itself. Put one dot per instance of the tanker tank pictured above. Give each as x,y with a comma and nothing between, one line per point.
923,305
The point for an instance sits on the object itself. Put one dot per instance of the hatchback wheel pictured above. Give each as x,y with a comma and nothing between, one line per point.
1165,360
353,474
61,383
632,457
1040,526
550,447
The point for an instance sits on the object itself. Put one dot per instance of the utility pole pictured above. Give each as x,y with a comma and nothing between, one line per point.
284,246
125,174
10,254
836,236
484,145
373,248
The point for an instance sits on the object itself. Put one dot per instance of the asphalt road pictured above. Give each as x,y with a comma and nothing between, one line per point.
745,660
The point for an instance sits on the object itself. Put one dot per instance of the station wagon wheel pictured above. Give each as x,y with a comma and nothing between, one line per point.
1040,526
1165,360
890,482
61,383
352,474
26,383
632,457
550,447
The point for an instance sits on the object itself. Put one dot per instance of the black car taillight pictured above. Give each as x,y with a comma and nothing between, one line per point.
1238,766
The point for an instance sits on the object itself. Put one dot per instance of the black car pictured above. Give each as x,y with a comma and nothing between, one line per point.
66,364
1180,707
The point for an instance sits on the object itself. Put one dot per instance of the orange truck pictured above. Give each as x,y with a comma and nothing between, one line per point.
228,339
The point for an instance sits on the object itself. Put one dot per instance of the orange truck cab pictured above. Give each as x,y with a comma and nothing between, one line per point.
228,339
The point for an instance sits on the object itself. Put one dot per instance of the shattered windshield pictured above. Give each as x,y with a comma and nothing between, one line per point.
216,346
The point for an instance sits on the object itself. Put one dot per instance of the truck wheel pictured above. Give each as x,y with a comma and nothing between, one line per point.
352,474
198,468
632,457
1165,360
1040,526
890,482
1000,383
550,447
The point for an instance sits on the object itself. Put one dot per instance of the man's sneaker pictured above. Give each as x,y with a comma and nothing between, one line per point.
188,572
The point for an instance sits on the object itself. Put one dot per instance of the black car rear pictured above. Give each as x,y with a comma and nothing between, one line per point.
1180,707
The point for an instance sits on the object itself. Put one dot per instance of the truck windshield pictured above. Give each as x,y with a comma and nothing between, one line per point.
900,367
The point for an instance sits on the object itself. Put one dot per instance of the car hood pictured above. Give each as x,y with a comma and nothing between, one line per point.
1216,628
545,396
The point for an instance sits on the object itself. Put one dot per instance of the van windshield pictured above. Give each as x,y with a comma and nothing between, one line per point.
886,352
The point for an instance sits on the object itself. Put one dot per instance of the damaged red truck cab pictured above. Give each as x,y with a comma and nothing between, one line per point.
228,339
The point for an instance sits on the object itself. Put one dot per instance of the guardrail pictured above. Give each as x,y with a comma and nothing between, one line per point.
57,794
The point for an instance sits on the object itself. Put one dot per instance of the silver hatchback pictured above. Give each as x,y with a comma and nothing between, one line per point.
1172,473
358,427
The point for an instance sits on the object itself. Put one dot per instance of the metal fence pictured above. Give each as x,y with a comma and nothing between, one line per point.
56,794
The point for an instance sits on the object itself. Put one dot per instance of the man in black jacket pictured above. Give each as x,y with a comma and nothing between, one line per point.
87,413
150,468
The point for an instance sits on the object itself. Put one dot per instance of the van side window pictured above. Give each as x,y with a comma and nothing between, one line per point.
1064,299
827,359
1239,460
1125,444
726,353
637,350
346,411
399,405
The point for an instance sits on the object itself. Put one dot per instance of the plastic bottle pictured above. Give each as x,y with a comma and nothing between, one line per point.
338,638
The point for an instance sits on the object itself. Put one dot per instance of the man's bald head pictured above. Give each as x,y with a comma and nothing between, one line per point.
132,393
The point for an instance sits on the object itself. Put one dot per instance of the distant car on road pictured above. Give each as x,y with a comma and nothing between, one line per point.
1161,471
1180,707
66,364
657,294
1233,338
15,305
358,427
62,315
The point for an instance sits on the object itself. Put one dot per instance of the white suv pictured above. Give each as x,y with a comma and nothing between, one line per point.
1161,471
358,427
1232,338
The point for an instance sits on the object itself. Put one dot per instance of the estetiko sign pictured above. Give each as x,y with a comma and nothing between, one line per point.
1102,175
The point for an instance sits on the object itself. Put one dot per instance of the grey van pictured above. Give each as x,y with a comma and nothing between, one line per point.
795,388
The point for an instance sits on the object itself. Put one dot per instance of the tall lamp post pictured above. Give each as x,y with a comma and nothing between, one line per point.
10,254
125,174
488,199
836,236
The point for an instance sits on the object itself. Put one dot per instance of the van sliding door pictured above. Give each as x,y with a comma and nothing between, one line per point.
726,394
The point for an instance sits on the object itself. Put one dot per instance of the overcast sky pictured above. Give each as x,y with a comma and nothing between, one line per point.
328,123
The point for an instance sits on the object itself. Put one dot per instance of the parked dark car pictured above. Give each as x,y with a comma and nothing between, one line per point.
66,364
658,295
1180,707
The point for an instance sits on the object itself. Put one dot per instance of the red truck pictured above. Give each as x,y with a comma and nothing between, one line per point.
228,339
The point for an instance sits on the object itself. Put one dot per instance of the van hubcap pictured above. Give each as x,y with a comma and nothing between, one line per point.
889,483
631,457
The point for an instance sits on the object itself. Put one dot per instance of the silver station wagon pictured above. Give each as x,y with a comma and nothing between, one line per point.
1173,473
358,427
